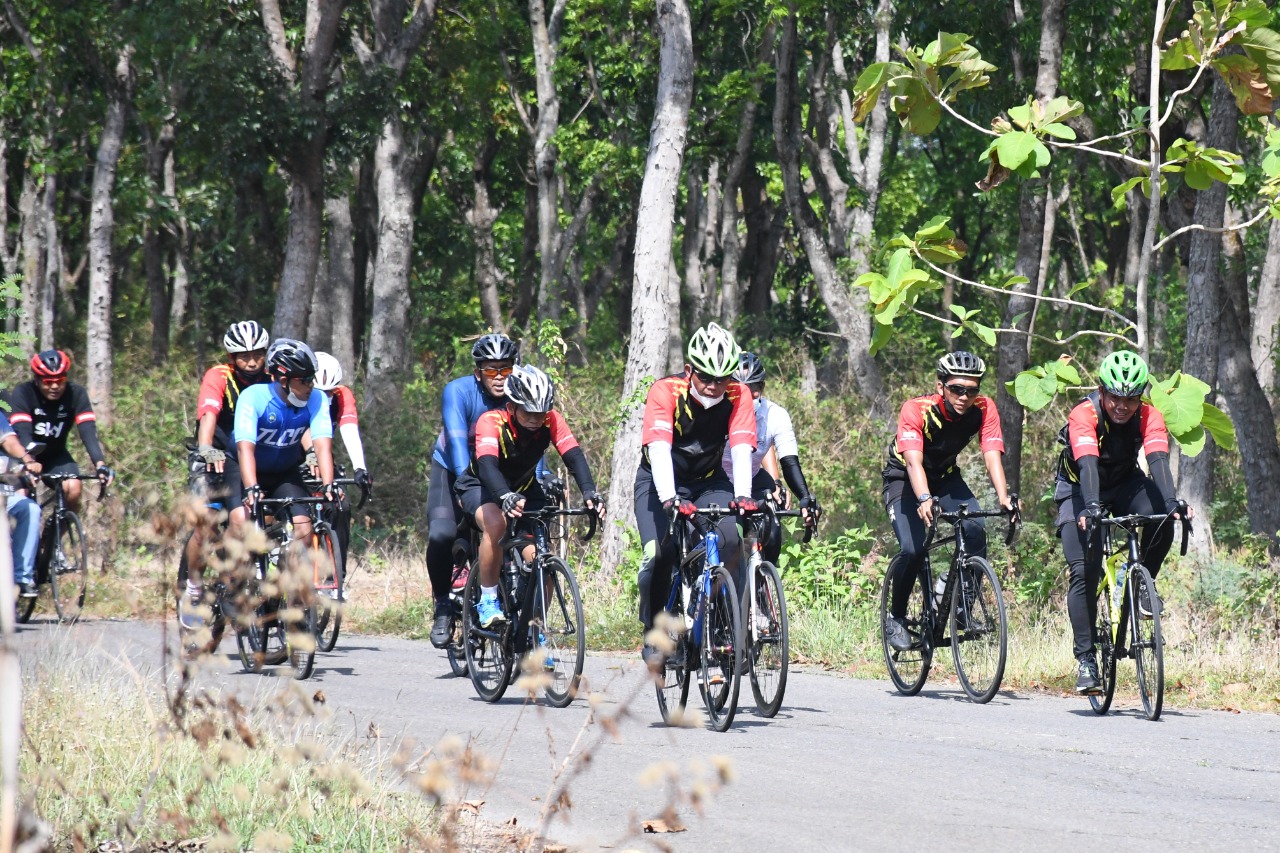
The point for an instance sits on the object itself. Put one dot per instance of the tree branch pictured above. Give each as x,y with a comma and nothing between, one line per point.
21,26
515,98
1195,226
274,25
1032,335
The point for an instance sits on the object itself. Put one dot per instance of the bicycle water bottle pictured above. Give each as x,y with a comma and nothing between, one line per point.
1117,592
940,588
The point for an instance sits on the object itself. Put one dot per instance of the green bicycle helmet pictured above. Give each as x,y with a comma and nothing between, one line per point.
1123,373
713,351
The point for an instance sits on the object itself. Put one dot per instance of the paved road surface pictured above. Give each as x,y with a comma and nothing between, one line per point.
846,765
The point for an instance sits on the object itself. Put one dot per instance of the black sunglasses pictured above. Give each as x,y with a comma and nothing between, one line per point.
962,390
708,379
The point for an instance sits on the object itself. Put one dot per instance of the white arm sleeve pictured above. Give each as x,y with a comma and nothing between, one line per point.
351,438
741,470
784,435
664,474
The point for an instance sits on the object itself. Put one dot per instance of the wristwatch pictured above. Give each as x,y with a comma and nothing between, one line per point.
925,497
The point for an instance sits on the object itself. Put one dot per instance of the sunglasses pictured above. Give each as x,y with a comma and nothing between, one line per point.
708,379
495,372
61,380
962,390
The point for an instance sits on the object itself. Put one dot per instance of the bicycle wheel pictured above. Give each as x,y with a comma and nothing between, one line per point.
768,648
330,591
69,567
908,668
456,649
488,650
1148,644
672,683
721,649
1102,641
260,635
301,630
563,635
979,630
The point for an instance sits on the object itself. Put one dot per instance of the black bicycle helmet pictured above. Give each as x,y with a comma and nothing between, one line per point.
51,364
961,363
531,389
750,369
245,336
291,359
494,347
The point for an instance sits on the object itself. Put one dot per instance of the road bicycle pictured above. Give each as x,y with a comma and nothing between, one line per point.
62,560
766,627
543,606
1126,580
968,615
332,591
286,622
703,622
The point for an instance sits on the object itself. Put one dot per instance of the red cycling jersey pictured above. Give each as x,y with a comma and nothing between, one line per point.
697,435
1090,433
219,391
342,407
929,425
517,449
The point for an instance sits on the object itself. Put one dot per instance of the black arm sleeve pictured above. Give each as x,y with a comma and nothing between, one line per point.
490,474
89,435
794,476
18,402
1090,486
576,461
1162,475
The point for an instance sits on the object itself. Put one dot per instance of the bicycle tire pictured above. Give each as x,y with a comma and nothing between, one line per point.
1105,646
910,668
720,650
769,646
68,567
328,615
672,683
300,634
456,650
564,632
979,630
1148,643
489,656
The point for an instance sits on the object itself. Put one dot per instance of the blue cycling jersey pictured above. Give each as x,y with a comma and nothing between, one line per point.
462,404
264,418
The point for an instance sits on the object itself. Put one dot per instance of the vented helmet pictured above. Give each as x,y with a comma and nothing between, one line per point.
961,363
531,389
329,373
494,347
713,351
51,364
291,359
245,336
750,369
1124,373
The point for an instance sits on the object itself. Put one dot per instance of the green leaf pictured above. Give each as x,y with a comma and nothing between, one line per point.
1029,391
1118,193
936,228
987,334
1197,176
1014,148
1066,372
880,335
1219,426
1181,400
1059,131
1049,384
1021,115
1262,45
869,85
960,311
1191,442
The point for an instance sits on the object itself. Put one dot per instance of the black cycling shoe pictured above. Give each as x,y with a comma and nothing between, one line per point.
440,624
1144,601
1088,682
898,636
28,590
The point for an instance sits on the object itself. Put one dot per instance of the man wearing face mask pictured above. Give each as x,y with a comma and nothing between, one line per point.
689,418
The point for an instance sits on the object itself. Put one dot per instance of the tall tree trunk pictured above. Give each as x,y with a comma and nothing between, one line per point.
342,281
1204,308
8,258
101,232
1266,317
181,288
319,317
31,242
159,150
481,216
394,160
546,44
1012,348
51,272
650,305
852,324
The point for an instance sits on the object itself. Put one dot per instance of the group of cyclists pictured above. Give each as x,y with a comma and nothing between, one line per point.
266,418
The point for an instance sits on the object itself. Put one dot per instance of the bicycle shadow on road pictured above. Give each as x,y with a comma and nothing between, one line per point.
959,695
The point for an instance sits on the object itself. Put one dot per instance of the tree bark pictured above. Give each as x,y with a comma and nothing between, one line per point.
1204,308
650,306
546,45
181,283
8,258
51,271
31,239
159,152
481,216
342,281
1011,349
1266,317
101,231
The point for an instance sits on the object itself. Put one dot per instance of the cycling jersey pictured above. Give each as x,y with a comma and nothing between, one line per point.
507,454
48,421
219,391
930,425
1089,432
342,407
698,436
773,429
265,419
462,403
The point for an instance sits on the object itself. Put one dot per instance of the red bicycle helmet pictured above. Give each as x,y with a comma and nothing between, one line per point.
51,364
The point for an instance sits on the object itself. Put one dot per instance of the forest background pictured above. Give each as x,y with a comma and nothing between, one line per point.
851,188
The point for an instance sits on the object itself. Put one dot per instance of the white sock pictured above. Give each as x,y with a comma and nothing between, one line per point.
194,590
488,592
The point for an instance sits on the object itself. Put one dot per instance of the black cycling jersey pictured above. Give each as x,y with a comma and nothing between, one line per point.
49,421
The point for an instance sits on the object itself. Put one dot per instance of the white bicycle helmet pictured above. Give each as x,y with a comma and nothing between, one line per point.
531,389
329,376
961,363
712,350
245,336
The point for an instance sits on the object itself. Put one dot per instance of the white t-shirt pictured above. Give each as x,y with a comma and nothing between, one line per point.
773,429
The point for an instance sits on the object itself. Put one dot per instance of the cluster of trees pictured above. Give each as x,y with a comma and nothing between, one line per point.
384,177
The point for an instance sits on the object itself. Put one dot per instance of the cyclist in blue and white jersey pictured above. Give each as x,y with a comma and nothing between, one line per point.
464,400
773,432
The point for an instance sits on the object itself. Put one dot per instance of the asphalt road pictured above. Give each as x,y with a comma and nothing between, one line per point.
846,765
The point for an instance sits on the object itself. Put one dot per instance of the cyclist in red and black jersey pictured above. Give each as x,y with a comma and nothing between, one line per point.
214,475
43,410
1099,466
342,412
502,478
689,418
920,476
